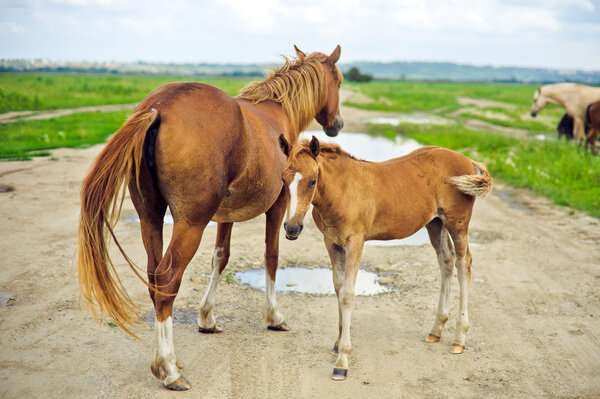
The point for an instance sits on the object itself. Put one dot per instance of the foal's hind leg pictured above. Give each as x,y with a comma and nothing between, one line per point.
206,318
460,236
440,240
273,318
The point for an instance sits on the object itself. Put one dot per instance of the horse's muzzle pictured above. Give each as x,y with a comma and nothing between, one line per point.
533,114
292,231
333,131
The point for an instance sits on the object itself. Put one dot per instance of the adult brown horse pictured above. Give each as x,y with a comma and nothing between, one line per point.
592,124
206,156
355,201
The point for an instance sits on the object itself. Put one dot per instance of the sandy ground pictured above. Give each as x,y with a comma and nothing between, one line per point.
535,307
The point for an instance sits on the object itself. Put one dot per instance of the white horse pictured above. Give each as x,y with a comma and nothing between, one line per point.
574,97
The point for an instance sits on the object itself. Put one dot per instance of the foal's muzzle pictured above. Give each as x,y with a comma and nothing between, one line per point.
533,114
292,231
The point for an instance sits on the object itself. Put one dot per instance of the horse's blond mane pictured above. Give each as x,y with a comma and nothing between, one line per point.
299,85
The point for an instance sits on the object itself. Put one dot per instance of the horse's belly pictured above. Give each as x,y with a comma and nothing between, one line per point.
241,205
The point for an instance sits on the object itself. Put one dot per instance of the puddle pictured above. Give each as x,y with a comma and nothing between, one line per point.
181,316
311,281
409,118
167,220
369,148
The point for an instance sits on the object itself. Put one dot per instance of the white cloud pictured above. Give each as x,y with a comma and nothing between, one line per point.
9,27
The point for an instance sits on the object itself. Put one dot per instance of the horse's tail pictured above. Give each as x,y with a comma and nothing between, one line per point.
588,124
479,184
112,171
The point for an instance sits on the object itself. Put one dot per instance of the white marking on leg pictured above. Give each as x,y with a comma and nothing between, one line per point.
272,315
206,318
294,195
164,350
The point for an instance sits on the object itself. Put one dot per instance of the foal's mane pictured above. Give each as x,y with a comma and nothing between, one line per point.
327,150
299,85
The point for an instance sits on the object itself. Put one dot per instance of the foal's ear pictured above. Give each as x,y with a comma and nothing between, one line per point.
315,148
283,144
299,52
335,56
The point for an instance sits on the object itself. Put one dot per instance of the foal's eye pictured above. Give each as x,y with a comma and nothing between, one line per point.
312,183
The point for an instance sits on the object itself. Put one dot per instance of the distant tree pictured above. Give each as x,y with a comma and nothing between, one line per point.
354,75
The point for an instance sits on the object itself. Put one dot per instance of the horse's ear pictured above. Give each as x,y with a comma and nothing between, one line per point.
299,52
335,56
315,148
285,147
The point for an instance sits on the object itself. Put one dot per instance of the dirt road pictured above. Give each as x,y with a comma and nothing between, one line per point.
535,308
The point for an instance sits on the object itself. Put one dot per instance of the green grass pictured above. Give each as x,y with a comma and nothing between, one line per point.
556,169
18,140
19,92
441,98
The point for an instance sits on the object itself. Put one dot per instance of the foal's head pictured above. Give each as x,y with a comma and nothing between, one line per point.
300,175
539,102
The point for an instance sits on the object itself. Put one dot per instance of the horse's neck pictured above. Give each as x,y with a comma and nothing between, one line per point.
559,95
332,175
272,113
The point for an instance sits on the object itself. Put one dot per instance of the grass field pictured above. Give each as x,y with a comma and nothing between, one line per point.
20,92
441,99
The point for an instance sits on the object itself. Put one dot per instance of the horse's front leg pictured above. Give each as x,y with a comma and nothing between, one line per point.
273,318
353,252
206,319
337,256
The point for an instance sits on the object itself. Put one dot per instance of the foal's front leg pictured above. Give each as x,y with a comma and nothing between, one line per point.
206,319
337,255
353,251
273,318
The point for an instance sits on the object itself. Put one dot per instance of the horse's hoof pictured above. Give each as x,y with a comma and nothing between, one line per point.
211,330
180,384
280,327
432,338
339,374
335,349
457,349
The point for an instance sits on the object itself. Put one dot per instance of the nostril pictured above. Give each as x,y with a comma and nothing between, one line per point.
285,225
300,228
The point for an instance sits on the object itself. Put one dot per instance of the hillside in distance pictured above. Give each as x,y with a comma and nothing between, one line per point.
434,71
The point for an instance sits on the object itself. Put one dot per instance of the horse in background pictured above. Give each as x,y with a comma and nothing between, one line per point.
565,127
573,96
207,156
592,124
355,201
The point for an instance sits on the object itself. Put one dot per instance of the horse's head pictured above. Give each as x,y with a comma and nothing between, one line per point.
329,116
300,175
539,102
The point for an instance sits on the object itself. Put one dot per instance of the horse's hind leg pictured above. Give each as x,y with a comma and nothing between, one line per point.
183,246
460,236
440,240
273,318
206,318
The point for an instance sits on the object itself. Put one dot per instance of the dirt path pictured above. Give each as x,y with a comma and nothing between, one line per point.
12,117
535,308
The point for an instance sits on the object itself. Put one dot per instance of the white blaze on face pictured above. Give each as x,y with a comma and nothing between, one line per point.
294,195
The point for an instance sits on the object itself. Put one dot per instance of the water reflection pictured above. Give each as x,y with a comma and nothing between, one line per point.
311,281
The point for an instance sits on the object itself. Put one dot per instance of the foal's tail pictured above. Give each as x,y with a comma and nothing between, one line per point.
113,169
476,185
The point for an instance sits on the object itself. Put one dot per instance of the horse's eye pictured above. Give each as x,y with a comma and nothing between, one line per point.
312,183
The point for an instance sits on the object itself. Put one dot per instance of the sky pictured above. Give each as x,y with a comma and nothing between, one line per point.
556,34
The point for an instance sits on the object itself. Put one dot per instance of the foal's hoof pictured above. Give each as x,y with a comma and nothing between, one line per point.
339,374
180,384
280,327
432,338
457,349
211,330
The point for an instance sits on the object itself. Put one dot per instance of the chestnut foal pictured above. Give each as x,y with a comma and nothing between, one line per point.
356,200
